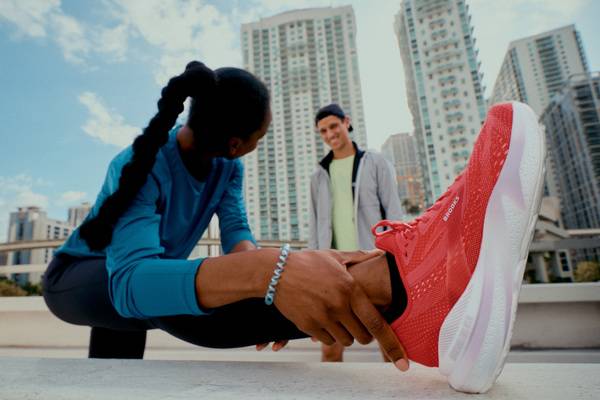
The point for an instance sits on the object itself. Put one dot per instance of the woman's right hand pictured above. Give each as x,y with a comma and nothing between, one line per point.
322,299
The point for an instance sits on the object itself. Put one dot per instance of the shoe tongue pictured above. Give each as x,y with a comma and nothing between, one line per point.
386,243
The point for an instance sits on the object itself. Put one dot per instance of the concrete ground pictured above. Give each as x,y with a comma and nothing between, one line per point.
296,351
64,379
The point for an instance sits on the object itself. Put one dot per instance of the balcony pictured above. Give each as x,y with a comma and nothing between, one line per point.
447,80
439,34
460,155
458,168
458,142
453,91
437,23
442,43
454,117
458,129
444,55
445,67
455,103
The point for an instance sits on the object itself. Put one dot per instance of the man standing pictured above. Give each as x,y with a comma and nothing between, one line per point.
351,190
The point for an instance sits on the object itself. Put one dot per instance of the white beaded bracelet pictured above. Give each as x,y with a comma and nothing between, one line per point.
283,255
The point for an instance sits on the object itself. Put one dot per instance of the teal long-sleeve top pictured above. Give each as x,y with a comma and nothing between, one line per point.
148,270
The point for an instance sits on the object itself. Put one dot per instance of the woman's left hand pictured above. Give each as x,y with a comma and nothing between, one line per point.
347,258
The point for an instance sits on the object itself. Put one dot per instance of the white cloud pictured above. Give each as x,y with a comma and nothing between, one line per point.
171,64
18,191
182,31
266,8
71,197
105,124
381,72
29,16
77,40
112,42
70,36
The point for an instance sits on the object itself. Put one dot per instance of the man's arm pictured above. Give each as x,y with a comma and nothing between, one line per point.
312,230
387,189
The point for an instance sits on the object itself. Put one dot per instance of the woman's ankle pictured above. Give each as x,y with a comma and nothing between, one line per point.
374,278
380,279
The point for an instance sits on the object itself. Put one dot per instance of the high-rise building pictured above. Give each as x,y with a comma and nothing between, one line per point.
536,67
401,150
572,121
77,214
308,59
444,86
32,223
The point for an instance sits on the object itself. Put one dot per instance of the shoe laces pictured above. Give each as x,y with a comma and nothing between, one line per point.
408,229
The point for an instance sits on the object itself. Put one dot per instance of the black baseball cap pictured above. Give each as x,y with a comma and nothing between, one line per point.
331,109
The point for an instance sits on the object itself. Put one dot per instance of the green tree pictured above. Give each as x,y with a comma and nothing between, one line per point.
410,208
587,271
34,289
9,288
406,203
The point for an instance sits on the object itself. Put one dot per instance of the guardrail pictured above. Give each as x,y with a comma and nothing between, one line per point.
579,239
50,244
53,244
21,269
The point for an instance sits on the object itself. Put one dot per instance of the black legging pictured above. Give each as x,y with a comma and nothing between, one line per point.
76,291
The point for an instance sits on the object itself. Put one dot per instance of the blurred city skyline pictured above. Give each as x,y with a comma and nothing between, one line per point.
81,79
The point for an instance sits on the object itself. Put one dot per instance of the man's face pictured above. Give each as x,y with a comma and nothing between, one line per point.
334,131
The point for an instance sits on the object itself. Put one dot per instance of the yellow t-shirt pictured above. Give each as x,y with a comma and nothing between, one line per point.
343,224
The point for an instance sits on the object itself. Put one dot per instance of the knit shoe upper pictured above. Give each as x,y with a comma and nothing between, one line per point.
437,253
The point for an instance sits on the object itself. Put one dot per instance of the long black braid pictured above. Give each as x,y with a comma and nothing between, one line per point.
97,231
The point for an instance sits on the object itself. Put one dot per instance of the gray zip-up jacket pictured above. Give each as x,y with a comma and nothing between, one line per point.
375,194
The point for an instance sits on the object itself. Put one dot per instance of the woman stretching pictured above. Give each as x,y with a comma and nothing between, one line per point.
448,281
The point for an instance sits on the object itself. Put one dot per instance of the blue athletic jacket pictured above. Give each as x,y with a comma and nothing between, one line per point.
149,273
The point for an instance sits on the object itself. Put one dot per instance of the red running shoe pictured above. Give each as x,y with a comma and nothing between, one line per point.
462,261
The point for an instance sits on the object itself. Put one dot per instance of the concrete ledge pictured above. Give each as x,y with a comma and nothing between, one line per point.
560,293
22,304
530,293
126,379
550,316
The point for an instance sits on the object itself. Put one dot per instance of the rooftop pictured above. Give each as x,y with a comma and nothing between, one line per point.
51,379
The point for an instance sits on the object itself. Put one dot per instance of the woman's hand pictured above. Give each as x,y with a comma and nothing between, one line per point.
322,299
315,292
349,258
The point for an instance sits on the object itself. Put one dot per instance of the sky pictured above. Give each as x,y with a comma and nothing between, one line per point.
80,78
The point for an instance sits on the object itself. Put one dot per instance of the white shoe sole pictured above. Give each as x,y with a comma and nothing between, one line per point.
475,336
